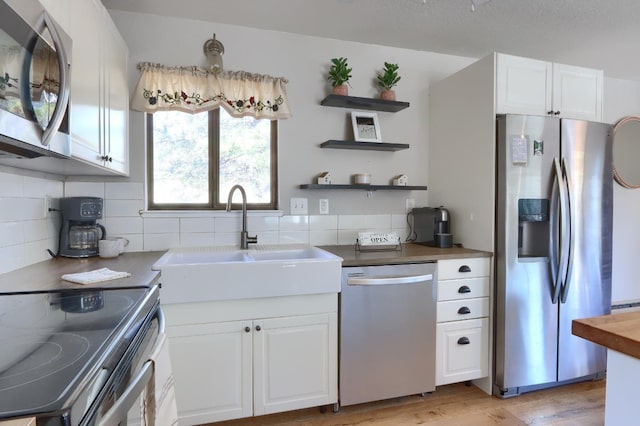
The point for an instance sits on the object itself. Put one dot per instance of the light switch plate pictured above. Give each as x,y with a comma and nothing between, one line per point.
324,206
299,206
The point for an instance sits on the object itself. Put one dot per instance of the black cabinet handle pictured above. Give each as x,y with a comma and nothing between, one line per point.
464,289
549,112
464,268
464,310
247,329
464,341
556,113
258,328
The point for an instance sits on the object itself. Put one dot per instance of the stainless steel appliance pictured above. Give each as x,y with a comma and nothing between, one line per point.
387,332
553,249
76,366
35,61
432,226
79,233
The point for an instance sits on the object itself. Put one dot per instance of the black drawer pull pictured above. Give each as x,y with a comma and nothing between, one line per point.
258,328
247,329
464,341
464,289
464,268
464,310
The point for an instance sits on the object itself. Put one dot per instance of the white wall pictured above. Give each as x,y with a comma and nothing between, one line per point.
304,61
622,98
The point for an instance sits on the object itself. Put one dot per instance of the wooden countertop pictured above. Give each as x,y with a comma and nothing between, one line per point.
44,276
410,253
620,332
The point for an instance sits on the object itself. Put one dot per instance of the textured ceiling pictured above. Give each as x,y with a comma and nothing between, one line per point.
595,33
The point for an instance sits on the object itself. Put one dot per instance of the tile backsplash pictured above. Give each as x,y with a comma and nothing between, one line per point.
151,231
26,233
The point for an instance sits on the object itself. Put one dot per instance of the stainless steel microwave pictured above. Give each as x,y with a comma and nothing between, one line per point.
35,64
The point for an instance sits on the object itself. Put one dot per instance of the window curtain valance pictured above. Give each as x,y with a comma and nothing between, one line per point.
194,89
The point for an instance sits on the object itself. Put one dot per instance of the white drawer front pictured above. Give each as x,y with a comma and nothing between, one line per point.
456,310
463,268
463,289
462,351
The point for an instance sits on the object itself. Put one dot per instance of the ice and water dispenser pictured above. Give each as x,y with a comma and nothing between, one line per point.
533,227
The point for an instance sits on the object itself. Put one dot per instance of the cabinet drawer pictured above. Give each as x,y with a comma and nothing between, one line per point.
463,289
462,351
456,310
463,268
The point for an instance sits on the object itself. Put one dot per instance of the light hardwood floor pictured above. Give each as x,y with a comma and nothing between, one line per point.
580,404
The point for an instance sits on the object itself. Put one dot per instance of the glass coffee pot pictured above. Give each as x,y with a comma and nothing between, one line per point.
83,237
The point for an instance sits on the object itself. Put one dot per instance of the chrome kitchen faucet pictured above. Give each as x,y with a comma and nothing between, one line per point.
245,239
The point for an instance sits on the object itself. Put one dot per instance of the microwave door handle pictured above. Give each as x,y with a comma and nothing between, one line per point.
554,212
63,94
390,280
130,396
570,239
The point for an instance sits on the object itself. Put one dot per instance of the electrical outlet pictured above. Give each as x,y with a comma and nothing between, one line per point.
46,201
324,206
409,204
299,206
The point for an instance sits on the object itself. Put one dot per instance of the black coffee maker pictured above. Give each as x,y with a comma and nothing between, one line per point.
79,234
432,226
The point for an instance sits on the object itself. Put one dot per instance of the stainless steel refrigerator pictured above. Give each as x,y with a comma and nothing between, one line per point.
553,249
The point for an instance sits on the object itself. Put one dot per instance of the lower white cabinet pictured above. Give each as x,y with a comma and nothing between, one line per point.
462,330
239,368
463,350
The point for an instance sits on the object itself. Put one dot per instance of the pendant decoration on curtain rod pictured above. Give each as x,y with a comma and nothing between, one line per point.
194,89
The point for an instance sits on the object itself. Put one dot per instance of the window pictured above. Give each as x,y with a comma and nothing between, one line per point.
193,160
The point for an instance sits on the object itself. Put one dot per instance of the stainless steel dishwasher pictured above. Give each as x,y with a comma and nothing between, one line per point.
387,332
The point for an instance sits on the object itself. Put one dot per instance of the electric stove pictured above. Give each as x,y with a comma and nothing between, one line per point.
60,350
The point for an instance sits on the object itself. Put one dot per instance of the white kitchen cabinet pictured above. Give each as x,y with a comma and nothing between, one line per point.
240,358
463,313
531,86
99,91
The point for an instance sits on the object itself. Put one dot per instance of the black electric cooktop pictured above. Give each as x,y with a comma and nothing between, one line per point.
53,345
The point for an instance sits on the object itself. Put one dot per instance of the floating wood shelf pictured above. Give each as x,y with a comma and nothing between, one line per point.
365,187
369,146
369,104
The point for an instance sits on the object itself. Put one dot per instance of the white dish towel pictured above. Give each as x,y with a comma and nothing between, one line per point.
158,403
96,276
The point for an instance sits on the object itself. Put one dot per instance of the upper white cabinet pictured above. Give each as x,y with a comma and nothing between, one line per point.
99,98
531,86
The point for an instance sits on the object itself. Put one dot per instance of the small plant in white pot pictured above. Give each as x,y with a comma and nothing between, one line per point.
339,75
387,80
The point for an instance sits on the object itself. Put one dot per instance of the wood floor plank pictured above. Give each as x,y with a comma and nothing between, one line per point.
458,405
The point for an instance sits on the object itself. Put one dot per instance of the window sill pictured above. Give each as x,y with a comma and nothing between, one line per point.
209,213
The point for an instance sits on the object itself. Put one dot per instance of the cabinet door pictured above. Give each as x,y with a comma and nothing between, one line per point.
523,85
212,371
86,80
577,92
295,363
116,100
462,351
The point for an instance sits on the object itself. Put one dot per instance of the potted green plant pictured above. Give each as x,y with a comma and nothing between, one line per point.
339,75
387,80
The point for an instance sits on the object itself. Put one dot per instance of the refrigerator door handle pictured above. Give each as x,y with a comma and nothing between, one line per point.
553,231
569,241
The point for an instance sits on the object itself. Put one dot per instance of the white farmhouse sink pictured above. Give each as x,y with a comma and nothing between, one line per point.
225,273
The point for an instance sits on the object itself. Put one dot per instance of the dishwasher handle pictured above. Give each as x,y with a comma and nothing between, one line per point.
413,279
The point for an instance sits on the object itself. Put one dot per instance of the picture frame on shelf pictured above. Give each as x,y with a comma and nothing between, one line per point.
366,127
